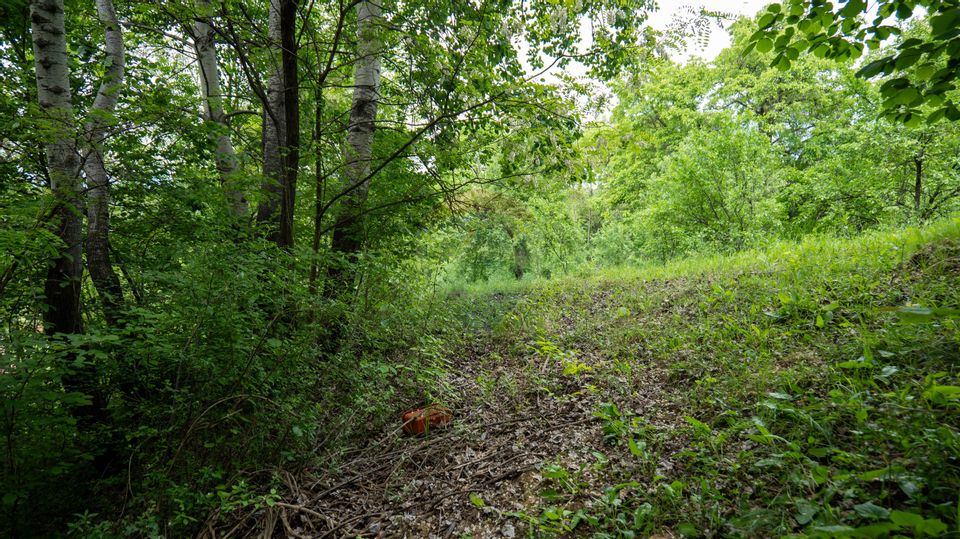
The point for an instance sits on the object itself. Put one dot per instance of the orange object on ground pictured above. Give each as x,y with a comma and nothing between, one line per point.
420,420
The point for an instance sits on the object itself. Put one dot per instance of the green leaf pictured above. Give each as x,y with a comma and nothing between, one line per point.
836,529
872,69
904,518
635,448
550,494
555,472
699,425
932,527
476,500
925,71
871,510
944,22
907,96
805,512
882,473
915,314
860,363
942,393
765,45
904,11
878,530
907,58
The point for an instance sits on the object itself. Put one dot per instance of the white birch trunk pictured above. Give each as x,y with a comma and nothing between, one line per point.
98,183
62,288
348,235
208,65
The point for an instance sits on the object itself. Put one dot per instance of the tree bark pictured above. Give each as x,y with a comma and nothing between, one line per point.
225,158
274,119
320,188
63,281
98,184
918,183
62,287
348,233
290,153
281,128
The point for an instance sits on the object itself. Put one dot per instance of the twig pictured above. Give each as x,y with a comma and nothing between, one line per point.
348,521
346,482
286,526
508,475
302,509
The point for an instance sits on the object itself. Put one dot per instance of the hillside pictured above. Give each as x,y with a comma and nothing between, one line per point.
806,389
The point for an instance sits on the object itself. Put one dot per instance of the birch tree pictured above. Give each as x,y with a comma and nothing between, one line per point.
98,182
208,65
349,230
62,287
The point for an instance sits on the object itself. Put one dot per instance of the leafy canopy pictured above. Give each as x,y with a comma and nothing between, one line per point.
922,67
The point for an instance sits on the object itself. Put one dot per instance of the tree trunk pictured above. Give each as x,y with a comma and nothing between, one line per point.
349,230
274,128
98,184
226,157
63,282
320,192
918,183
290,153
62,287
521,258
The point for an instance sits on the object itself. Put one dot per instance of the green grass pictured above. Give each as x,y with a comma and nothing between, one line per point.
814,388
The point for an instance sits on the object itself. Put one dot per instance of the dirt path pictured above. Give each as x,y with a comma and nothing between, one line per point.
514,416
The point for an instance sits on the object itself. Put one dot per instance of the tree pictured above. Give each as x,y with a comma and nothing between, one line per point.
458,87
348,234
98,191
208,67
720,186
62,289
281,126
924,67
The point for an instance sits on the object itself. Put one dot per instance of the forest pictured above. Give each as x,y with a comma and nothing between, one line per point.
479,268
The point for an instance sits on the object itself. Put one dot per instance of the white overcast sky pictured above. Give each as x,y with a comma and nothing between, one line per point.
670,9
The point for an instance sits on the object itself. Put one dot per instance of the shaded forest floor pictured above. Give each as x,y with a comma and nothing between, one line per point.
808,390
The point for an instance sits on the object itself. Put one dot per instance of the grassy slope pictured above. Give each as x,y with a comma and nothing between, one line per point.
794,400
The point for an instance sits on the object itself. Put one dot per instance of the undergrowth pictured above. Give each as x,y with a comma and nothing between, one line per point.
818,383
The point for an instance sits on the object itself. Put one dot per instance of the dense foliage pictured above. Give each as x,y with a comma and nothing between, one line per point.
236,238
717,157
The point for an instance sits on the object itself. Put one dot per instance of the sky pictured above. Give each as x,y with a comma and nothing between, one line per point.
671,9
668,11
